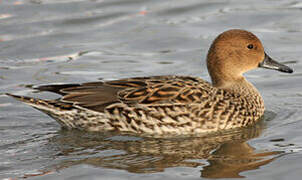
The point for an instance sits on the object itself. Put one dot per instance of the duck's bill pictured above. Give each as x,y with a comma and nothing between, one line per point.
269,63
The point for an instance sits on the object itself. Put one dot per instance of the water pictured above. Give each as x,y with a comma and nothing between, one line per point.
47,41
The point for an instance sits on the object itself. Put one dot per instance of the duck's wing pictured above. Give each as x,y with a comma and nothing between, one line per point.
144,90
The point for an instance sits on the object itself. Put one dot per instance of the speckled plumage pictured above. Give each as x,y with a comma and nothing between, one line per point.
162,104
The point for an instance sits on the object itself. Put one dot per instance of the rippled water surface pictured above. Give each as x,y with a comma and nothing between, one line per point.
47,41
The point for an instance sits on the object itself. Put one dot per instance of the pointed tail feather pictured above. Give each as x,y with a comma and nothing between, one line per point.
29,100
66,114
48,105
52,108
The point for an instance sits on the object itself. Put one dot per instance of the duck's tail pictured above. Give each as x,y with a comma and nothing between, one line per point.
67,114
53,108
37,103
40,104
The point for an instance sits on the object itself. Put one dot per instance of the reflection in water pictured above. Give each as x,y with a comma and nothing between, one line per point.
227,153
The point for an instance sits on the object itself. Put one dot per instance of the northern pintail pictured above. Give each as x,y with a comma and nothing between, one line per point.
160,105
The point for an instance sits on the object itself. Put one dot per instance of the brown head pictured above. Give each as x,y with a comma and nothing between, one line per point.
235,52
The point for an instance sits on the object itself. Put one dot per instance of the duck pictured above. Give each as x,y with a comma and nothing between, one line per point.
169,104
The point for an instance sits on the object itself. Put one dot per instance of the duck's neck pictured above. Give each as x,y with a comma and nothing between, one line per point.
240,86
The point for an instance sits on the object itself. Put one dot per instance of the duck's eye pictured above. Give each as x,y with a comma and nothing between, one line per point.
250,46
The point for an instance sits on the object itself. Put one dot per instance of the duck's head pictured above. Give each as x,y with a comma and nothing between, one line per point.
235,52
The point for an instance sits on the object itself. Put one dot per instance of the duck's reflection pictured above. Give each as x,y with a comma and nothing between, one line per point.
219,156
